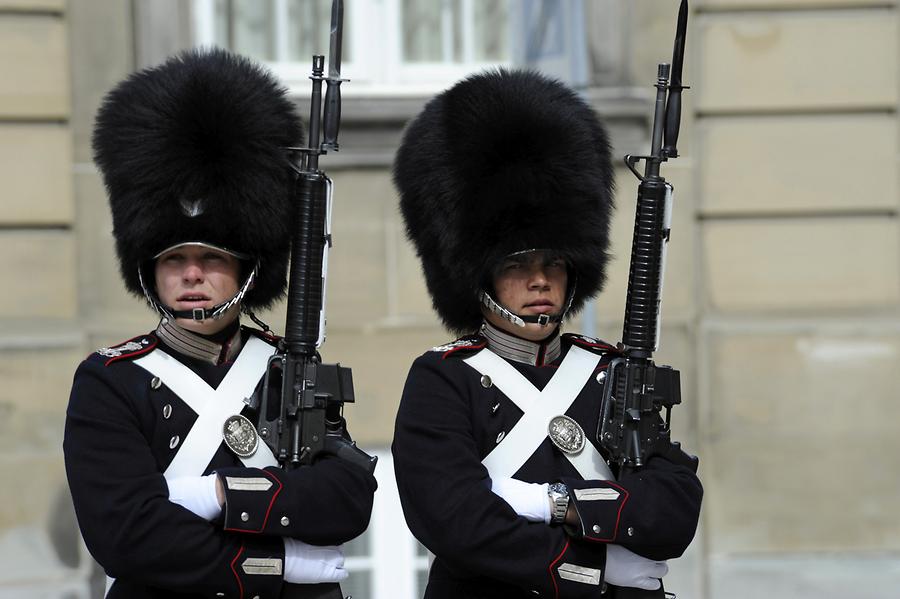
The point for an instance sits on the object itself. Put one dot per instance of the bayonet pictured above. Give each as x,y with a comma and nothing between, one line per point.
332,117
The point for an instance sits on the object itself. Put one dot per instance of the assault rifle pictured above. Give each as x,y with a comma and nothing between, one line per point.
301,400
632,428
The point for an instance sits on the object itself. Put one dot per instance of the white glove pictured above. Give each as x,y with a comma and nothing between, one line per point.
311,564
627,569
529,500
196,494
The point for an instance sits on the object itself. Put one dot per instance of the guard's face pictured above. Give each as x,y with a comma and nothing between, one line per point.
528,284
191,276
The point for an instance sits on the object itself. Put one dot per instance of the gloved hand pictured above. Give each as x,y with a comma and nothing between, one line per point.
627,569
310,564
529,500
196,494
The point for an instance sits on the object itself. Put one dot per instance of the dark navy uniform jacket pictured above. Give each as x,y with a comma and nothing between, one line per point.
122,432
449,421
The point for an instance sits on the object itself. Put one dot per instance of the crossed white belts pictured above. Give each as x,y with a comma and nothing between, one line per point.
213,406
539,407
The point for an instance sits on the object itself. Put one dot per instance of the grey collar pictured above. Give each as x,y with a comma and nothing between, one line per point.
195,346
521,350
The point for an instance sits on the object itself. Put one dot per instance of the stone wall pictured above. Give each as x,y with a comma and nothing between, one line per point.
798,289
781,304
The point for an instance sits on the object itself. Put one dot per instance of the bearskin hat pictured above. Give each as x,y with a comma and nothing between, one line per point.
194,150
504,161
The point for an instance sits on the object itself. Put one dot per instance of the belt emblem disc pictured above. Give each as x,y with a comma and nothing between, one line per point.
240,436
566,434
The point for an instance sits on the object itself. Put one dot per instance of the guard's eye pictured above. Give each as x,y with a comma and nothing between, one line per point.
555,263
173,258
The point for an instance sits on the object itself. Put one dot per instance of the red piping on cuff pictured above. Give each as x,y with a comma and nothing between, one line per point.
618,517
550,569
268,510
238,578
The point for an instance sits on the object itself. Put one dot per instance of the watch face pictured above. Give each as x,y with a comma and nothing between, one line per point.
558,489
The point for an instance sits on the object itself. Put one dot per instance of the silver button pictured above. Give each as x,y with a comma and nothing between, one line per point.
244,516
601,377
630,531
174,441
596,528
155,383
285,520
220,594
486,381
500,436
255,596
167,411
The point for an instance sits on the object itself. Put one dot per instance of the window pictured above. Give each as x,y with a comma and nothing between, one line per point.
386,562
391,46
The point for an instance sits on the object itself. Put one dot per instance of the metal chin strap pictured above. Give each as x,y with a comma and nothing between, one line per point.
520,321
198,314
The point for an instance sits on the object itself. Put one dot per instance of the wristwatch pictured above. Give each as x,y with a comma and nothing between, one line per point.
559,501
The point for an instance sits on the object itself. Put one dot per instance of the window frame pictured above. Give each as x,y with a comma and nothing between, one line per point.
377,68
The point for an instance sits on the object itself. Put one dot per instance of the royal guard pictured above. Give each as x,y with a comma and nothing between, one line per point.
175,494
506,190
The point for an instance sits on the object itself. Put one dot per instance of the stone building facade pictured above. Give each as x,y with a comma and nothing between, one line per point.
781,304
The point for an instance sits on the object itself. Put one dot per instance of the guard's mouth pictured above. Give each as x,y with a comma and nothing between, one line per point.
193,297
541,306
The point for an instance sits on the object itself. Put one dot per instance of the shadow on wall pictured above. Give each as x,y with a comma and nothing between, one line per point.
49,561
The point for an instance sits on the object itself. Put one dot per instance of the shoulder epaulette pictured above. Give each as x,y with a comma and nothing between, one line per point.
133,348
589,343
267,336
463,345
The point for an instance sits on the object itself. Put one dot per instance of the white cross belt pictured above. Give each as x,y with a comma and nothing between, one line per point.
213,406
539,407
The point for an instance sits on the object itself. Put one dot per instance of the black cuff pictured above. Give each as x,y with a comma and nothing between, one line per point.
579,570
599,506
249,496
258,568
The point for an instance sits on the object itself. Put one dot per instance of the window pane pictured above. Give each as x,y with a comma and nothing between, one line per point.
421,582
491,43
438,31
221,18
309,30
360,546
271,30
421,24
358,584
252,26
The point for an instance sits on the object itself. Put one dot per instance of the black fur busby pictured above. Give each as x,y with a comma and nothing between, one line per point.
502,162
194,150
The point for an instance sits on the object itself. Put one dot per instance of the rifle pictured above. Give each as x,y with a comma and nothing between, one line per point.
632,428
301,399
